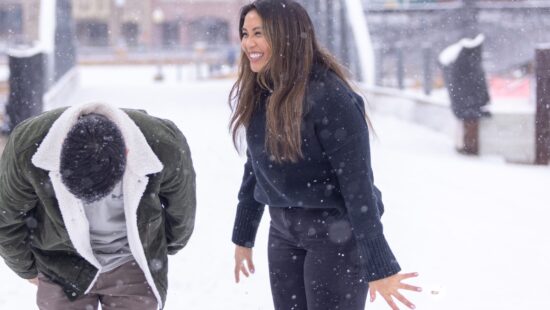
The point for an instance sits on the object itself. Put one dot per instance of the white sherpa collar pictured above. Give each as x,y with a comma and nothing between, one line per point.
141,159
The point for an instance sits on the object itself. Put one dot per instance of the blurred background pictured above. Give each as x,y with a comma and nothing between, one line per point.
393,45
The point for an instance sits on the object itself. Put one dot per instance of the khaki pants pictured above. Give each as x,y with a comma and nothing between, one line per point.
124,287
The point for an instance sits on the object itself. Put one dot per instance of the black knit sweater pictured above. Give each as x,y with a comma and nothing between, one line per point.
334,173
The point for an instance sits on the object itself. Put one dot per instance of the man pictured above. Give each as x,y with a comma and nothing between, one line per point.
92,199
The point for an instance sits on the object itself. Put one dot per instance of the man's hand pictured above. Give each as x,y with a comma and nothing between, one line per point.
243,254
34,281
388,288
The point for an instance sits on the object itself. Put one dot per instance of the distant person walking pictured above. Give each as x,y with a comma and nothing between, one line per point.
92,200
308,158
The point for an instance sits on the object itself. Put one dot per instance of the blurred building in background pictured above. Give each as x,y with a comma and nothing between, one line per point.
18,21
207,29
131,24
162,24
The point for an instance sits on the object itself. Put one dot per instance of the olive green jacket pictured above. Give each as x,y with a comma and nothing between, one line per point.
43,227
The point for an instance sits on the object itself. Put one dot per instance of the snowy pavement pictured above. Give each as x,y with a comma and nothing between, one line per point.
474,228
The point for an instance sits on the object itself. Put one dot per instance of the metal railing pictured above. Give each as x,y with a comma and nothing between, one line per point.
403,36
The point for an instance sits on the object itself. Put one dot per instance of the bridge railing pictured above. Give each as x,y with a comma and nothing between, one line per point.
403,36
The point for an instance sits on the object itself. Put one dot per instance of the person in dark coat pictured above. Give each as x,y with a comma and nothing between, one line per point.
92,200
467,87
308,159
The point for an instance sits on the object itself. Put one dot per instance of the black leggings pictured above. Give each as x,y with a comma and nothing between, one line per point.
313,261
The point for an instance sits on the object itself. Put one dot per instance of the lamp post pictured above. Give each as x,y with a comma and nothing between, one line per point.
119,4
158,19
470,27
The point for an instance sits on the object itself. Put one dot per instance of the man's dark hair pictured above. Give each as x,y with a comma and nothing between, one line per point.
93,157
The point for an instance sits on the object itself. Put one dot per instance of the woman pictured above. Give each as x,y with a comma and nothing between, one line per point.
308,159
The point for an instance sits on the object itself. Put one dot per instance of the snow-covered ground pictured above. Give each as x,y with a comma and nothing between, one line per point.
474,228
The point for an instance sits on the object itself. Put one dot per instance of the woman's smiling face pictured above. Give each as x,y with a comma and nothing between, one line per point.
254,42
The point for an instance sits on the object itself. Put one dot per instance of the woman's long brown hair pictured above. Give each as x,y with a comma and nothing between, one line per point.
294,49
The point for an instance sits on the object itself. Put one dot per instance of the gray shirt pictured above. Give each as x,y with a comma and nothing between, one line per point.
108,233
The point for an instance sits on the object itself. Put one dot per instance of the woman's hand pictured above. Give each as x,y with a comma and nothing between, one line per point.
388,288
243,262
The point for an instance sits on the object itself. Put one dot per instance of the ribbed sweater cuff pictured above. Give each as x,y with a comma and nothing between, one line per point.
378,258
246,225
